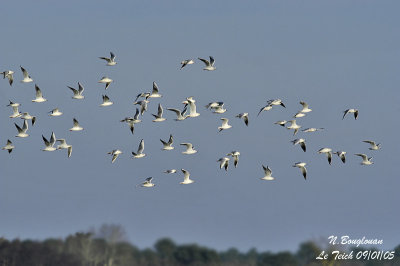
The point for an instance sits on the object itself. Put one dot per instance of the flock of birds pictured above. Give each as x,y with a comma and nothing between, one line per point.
189,111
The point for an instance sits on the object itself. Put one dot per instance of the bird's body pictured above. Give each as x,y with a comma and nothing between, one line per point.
77,92
186,62
115,153
342,155
235,156
55,112
374,146
224,125
168,145
354,111
158,117
224,163
22,131
27,116
245,117
9,75
105,80
302,167
64,145
111,60
9,146
302,143
106,101
186,178
189,148
39,96
25,73
139,153
267,174
209,64
365,159
328,152
76,126
49,145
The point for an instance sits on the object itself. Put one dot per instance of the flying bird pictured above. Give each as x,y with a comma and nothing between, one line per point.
305,109
139,153
312,129
170,171
342,155
77,92
245,117
49,144
76,126
354,111
55,112
105,80
187,62
106,101
25,73
223,163
158,117
154,93
143,106
282,123
22,131
189,148
64,145
303,169
39,96
147,183
27,116
267,174
115,153
209,64
9,146
224,125
168,145
16,113
294,126
302,143
192,107
265,108
328,152
111,60
374,146
8,74
235,156
13,104
276,102
180,115
186,178
365,159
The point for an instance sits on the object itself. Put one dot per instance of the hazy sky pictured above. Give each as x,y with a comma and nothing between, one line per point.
334,55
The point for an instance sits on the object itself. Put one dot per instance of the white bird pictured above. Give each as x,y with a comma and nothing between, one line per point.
328,152
39,96
115,153
235,156
312,129
219,109
64,145
276,102
22,131
155,93
214,105
25,73
342,155
374,146
170,171
49,144
180,115
12,104
245,117
145,95
192,107
186,178
8,74
132,121
158,117
294,126
302,143
105,80
189,148
147,183
187,62
9,146
209,64
305,107
139,153
111,60
16,113
55,112
168,145
223,163
265,108
267,174
106,101
299,114
77,93
143,106
302,167
76,126
354,111
281,123
366,160
224,125
27,116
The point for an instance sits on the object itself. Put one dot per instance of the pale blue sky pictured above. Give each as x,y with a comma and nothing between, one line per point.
335,56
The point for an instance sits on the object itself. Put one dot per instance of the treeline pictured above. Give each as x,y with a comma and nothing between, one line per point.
108,248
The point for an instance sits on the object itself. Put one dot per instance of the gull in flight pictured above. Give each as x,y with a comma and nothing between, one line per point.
8,74
39,96
189,148
168,145
22,131
281,123
105,80
265,108
302,167
158,117
16,113
374,146
154,93
55,112
77,93
299,114
192,107
115,154
76,126
312,129
342,155
245,117
267,174
365,159
305,109
139,153
209,64
276,102
224,125
302,143
12,104
235,156
145,95
170,171
294,126
9,146
213,105
64,145
25,73
223,163
180,115
328,152
106,101
143,106
49,144
27,116
111,60
354,111
132,121
186,178
187,62
147,183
